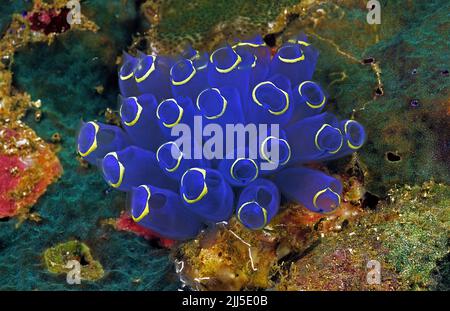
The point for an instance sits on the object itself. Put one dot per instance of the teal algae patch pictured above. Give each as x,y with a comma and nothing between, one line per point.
63,76
8,7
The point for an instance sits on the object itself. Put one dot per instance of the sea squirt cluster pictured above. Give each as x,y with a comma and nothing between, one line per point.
177,195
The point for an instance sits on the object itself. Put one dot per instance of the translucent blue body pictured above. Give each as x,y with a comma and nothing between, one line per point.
314,138
127,83
172,112
132,167
309,100
189,78
152,76
206,193
161,210
139,120
270,101
354,137
220,106
238,168
315,190
296,60
174,163
258,203
274,152
261,58
227,67
96,139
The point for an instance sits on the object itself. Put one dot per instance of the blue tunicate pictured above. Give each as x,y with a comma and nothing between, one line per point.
161,210
206,193
258,204
133,166
317,191
176,190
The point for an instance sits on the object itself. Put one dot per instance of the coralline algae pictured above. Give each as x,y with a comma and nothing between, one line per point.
236,84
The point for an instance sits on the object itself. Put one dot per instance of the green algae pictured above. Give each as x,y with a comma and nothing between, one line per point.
204,24
181,20
419,238
56,259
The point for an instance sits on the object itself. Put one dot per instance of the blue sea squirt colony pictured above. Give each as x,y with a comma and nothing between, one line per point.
177,195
